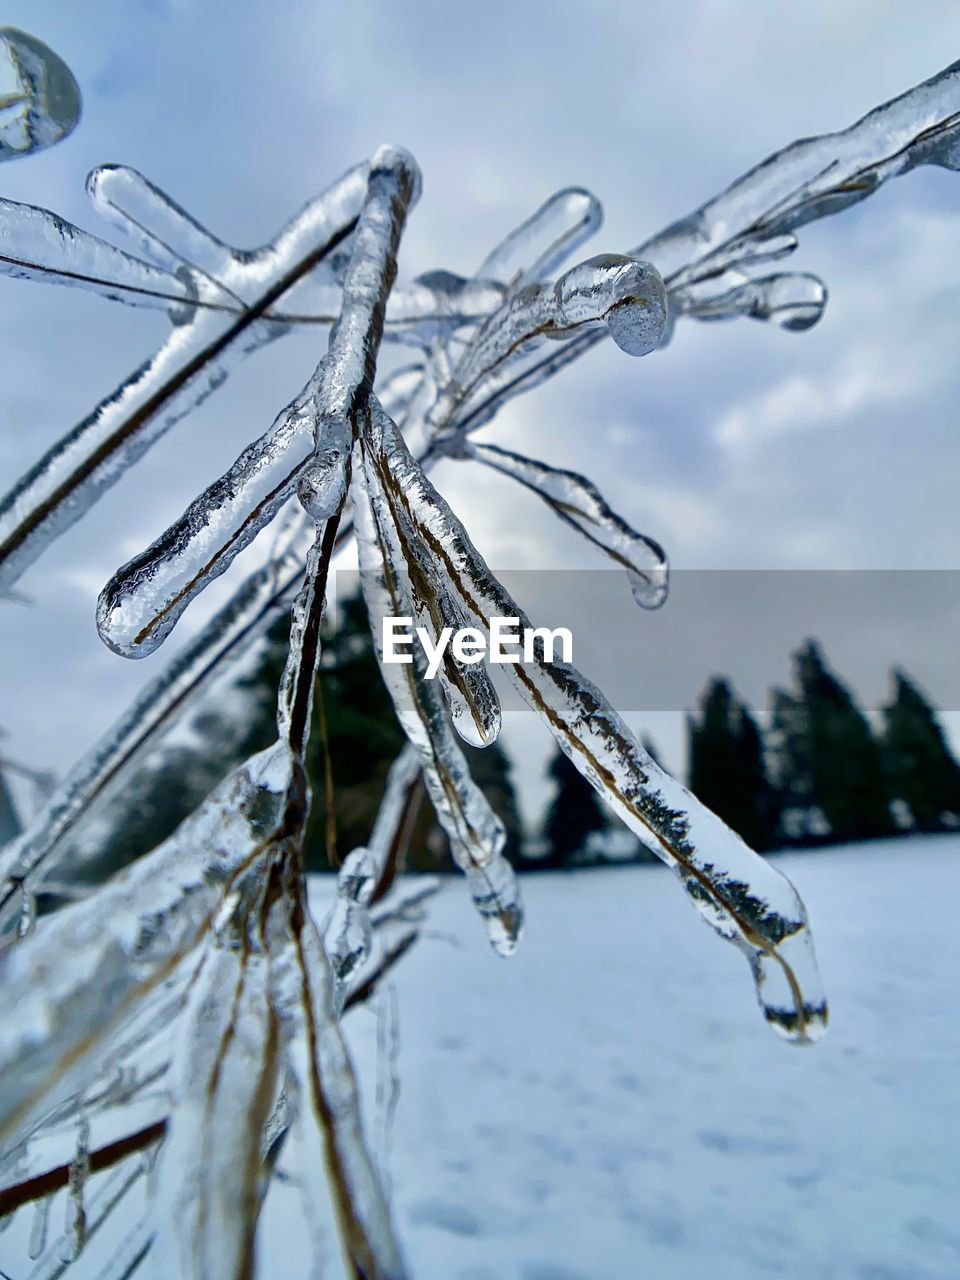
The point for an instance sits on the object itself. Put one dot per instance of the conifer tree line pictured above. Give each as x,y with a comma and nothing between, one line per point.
818,773
821,772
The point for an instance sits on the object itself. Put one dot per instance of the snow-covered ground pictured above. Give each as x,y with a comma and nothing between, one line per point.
609,1102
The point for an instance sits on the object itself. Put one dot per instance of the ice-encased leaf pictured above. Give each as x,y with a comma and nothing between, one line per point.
742,896
66,988
578,501
475,833
209,1186
193,362
39,97
143,601
328,1126
38,245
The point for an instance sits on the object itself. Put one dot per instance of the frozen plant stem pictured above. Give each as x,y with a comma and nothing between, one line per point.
203,956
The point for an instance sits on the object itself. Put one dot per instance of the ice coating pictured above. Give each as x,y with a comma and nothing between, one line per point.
225,1065
323,484
142,603
534,250
577,501
38,245
165,232
247,914
349,933
626,294
328,1128
471,698
39,98
257,601
609,293
743,897
792,300
191,364
816,177
196,892
475,832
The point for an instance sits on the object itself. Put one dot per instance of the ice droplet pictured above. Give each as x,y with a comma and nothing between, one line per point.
39,98
625,293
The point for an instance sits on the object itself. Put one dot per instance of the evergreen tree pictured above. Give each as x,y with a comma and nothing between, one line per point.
727,766
827,760
574,814
921,769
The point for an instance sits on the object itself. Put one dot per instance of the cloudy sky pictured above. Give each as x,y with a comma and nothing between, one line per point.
739,446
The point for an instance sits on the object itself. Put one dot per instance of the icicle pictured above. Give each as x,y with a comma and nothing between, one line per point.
39,1227
39,98
791,300
742,896
349,934
534,250
75,1228
577,501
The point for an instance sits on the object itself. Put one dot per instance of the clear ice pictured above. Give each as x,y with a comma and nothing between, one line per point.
195,986
39,98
